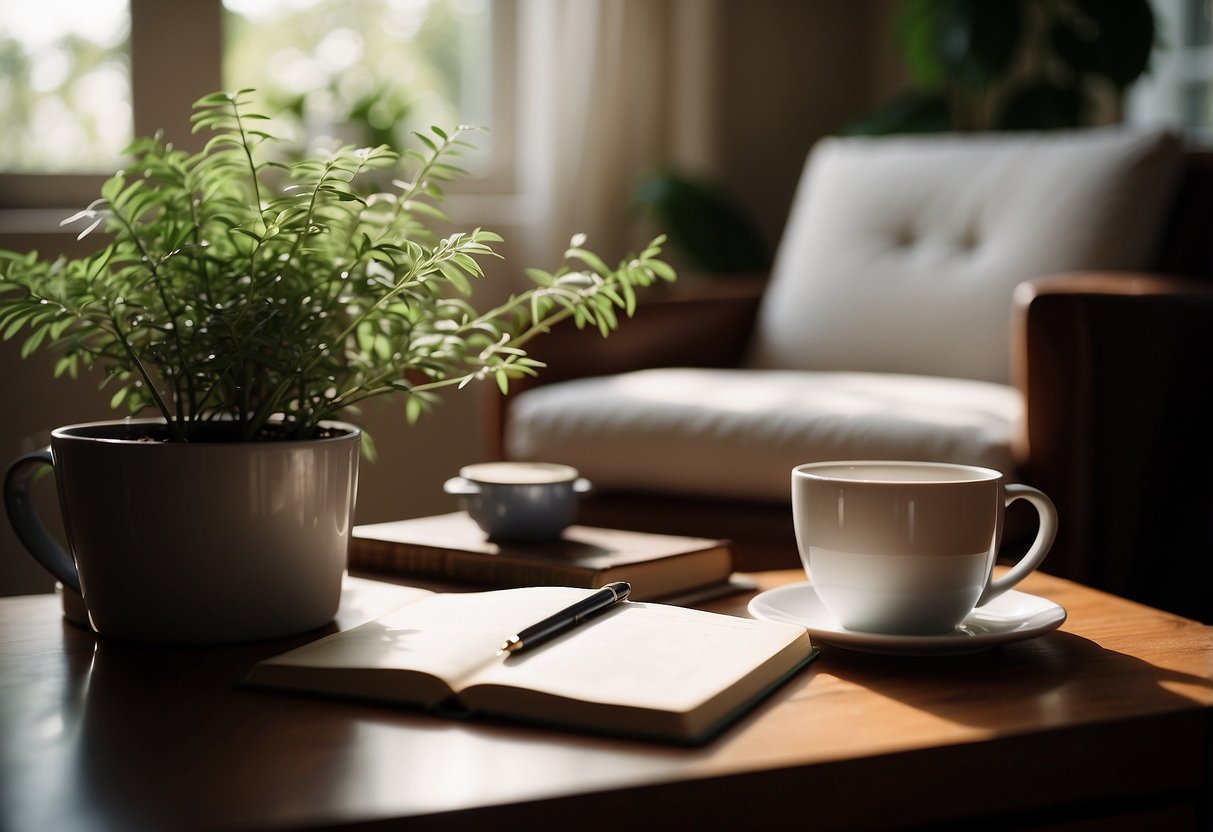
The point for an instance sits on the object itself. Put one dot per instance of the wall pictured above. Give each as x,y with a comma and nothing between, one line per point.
793,71
789,72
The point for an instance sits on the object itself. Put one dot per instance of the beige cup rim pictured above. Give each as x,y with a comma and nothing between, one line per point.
519,473
965,473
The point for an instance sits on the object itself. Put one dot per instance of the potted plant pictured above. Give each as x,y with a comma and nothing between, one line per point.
250,304
1035,65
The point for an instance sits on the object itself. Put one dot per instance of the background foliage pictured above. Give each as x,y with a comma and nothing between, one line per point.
1013,64
704,221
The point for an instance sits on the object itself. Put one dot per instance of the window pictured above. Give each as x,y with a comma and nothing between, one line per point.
1179,88
362,71
85,76
65,87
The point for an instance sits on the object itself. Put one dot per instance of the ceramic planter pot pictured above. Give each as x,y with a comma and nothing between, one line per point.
199,542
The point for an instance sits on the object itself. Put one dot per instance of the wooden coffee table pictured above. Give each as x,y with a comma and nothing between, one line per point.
1109,717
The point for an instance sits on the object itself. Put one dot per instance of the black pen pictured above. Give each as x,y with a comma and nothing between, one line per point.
552,626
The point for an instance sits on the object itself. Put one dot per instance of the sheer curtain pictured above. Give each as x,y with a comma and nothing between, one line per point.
611,89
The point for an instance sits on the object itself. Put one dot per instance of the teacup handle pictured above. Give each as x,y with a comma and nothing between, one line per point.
26,523
582,486
1040,547
461,486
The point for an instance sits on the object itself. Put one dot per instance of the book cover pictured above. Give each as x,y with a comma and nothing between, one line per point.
451,547
641,669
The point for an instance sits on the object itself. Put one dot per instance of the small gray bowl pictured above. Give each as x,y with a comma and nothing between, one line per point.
519,501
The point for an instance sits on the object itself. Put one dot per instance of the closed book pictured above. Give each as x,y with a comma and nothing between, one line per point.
451,547
649,670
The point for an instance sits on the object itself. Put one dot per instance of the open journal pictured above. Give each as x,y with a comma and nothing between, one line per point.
642,669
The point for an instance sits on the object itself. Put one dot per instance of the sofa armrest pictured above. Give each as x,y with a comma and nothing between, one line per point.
708,325
1116,370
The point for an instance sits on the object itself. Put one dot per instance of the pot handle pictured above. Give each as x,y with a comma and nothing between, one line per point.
583,486
461,487
25,522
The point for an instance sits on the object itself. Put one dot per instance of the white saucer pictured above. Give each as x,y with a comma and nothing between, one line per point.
1012,616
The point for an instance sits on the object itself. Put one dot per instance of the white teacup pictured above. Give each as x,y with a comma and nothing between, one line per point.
908,547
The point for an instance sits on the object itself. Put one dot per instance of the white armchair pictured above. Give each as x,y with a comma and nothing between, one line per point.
886,331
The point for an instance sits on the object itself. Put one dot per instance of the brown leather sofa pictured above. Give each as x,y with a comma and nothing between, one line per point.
1116,375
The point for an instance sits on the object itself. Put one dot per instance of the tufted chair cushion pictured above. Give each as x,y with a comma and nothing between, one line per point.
901,254
737,433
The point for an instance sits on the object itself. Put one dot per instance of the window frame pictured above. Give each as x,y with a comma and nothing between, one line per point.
1157,99
176,54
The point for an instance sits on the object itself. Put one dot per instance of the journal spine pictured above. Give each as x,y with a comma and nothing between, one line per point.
392,557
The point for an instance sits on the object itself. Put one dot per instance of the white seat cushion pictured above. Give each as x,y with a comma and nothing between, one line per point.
901,254
738,433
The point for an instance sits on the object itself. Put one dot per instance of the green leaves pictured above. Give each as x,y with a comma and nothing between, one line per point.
704,221
233,286
972,40
1013,64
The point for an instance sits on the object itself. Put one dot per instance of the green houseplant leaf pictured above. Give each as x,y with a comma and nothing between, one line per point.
231,290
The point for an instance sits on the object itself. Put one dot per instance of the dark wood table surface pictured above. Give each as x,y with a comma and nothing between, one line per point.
1109,717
